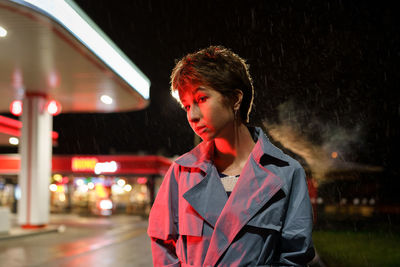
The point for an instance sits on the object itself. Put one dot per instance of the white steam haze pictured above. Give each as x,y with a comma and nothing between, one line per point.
312,139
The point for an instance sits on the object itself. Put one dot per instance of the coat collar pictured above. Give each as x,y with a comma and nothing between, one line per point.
202,155
251,193
199,157
264,146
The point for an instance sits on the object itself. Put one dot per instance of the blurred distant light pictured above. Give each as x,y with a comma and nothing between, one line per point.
143,189
140,198
18,81
101,191
57,177
17,192
106,204
13,141
16,107
127,187
79,182
343,201
90,185
121,182
320,200
142,180
54,107
65,180
68,14
53,80
3,32
53,187
106,212
83,188
334,155
116,189
372,201
60,188
364,201
61,228
106,99
61,197
356,201
175,94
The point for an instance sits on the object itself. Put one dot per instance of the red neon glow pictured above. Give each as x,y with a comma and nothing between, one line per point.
65,180
16,107
53,107
13,127
142,180
30,226
128,164
10,122
54,135
9,131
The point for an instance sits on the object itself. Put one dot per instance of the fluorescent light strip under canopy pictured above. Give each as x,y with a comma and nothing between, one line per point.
69,15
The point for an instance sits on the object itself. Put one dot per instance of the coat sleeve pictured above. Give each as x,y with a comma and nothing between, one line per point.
296,247
163,222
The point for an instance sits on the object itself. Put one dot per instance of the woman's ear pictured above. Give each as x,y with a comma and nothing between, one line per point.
238,99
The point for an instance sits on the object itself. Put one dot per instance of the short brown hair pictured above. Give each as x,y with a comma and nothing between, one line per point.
219,68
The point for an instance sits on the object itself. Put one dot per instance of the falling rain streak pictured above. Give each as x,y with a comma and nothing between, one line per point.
326,82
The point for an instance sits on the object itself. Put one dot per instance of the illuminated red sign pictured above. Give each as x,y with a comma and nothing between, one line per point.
80,164
83,164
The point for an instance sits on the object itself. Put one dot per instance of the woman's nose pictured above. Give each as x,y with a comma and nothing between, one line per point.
194,114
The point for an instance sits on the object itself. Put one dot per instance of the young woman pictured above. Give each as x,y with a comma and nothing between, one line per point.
235,199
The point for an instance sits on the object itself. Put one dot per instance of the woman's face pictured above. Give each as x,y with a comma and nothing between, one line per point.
208,112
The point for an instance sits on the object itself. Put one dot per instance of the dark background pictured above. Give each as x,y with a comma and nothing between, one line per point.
328,69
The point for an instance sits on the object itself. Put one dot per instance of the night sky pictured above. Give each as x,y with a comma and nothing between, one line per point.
328,70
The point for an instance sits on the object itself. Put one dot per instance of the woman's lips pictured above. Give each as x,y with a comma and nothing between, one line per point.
200,129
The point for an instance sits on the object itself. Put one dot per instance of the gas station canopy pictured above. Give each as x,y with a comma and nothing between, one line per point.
51,48
52,54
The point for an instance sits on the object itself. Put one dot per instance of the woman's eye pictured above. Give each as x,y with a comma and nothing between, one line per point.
187,107
202,99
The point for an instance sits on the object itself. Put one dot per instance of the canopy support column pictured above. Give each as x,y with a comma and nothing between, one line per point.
35,171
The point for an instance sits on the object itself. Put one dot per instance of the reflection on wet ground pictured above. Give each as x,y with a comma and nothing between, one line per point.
117,241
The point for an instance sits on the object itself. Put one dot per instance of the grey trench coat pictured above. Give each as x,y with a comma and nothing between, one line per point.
266,221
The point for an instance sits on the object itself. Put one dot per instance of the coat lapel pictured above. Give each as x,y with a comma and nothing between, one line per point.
255,187
208,197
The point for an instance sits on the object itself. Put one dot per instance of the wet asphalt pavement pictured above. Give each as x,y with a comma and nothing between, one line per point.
119,240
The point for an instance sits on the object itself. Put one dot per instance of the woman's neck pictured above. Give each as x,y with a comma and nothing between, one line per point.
232,152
